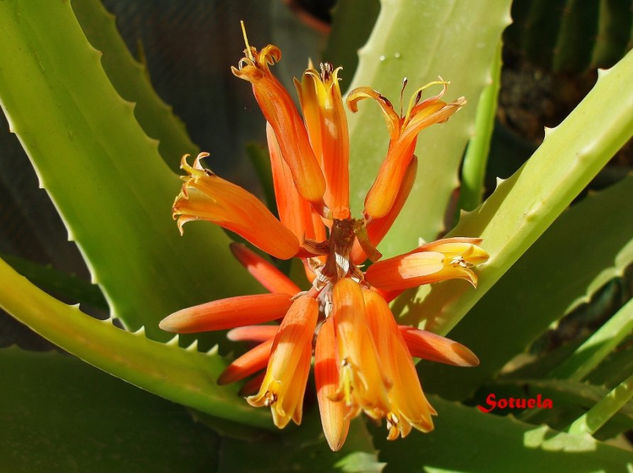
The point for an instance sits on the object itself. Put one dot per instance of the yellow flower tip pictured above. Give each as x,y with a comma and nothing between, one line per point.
450,258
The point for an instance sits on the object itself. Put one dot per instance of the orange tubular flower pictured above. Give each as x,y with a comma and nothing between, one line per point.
205,196
362,384
281,113
408,405
287,373
295,212
334,416
403,133
326,122
437,261
363,361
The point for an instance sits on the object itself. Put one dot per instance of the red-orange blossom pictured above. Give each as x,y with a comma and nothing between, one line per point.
362,357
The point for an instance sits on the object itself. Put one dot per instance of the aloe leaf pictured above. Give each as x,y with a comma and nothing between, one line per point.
181,375
466,440
614,368
474,167
349,32
421,41
614,25
577,34
131,80
584,249
523,206
597,346
60,415
302,449
599,414
569,398
65,286
103,173
571,35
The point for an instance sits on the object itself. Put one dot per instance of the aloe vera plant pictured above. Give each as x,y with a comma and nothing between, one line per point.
102,143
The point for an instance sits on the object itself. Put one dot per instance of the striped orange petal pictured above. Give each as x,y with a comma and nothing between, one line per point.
377,228
250,362
451,258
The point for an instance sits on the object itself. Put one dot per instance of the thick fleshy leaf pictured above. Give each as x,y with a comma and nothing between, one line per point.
182,375
59,415
104,174
485,442
523,206
131,80
581,266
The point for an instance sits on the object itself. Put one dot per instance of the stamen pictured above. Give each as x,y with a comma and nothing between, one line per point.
405,81
249,53
271,398
415,98
460,261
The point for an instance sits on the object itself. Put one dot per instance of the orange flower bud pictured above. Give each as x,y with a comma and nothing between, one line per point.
269,276
250,362
227,313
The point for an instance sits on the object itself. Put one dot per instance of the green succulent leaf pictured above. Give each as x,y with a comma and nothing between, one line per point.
458,43
131,80
182,375
604,410
528,302
523,206
66,286
614,368
570,398
302,449
60,415
349,32
471,188
597,346
105,176
466,440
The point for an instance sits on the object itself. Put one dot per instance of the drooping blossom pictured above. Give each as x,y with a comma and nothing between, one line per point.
363,360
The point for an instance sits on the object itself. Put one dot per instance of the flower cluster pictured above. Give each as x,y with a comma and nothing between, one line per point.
363,360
